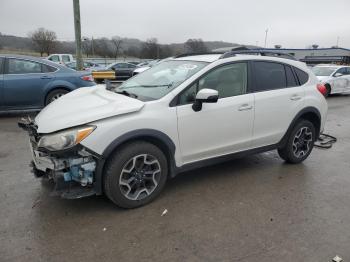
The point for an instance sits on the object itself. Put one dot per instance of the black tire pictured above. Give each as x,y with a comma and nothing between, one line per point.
115,172
292,152
53,95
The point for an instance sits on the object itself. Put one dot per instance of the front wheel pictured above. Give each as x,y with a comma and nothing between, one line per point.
135,174
300,143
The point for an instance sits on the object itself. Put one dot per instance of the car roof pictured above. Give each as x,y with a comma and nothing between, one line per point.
210,58
35,59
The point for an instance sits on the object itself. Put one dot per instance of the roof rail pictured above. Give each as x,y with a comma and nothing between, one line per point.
261,52
194,54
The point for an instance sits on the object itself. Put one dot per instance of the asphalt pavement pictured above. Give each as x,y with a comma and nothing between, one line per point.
253,209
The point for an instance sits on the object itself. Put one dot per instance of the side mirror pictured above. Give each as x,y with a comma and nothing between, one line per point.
337,74
205,96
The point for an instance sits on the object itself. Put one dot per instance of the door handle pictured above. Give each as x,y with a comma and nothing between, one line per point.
245,107
295,97
46,77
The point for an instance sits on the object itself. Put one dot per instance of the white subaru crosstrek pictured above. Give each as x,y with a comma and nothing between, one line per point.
185,113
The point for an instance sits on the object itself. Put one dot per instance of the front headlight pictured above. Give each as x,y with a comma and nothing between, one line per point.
65,139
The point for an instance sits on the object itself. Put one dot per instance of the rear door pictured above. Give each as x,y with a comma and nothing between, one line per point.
2,82
278,98
24,83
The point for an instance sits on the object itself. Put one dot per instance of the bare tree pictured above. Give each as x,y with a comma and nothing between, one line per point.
150,48
116,41
195,46
102,47
44,40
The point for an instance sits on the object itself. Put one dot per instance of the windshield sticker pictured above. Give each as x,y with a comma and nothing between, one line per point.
187,66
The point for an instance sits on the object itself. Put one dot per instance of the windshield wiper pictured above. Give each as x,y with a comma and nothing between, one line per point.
126,93
167,85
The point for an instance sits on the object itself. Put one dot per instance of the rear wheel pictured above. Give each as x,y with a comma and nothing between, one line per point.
135,174
54,95
300,143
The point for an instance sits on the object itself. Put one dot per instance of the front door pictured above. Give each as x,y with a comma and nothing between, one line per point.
219,128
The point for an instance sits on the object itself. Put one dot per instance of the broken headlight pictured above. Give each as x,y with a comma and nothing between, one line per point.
65,139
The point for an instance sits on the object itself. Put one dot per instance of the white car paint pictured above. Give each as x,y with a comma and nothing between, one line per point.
82,106
338,84
218,129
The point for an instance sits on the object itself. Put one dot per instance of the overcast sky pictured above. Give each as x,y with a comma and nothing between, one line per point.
293,23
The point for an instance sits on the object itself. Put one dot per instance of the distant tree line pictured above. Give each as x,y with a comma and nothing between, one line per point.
45,42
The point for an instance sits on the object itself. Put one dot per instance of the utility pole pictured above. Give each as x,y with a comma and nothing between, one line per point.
77,29
337,41
266,36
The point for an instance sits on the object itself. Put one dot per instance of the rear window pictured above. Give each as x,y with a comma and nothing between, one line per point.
269,76
302,76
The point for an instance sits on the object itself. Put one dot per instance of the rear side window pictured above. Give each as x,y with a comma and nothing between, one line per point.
291,81
1,65
269,76
47,68
302,76
65,58
17,66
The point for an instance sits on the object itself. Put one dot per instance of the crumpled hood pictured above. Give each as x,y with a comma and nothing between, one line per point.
82,106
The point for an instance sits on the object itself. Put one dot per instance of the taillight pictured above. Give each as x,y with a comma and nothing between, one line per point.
88,78
322,88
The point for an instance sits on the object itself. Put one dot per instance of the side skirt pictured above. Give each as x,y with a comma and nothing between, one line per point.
220,159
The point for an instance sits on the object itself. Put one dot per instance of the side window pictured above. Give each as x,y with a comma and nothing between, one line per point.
229,80
291,81
188,96
302,76
269,76
343,71
348,70
1,65
54,58
65,58
17,66
47,68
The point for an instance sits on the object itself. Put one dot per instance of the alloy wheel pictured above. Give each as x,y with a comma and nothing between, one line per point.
302,142
139,177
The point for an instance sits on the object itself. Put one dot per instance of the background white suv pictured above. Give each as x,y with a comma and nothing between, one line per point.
184,113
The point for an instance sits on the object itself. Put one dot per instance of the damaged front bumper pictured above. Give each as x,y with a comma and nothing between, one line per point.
73,171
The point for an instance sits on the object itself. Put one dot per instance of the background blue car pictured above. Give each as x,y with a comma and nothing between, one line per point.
32,83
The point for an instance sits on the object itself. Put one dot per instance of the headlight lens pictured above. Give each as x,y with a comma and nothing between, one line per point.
66,139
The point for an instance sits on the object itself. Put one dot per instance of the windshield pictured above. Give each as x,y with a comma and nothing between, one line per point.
323,70
159,80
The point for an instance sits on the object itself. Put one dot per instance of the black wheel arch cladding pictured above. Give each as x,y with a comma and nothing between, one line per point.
158,138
